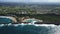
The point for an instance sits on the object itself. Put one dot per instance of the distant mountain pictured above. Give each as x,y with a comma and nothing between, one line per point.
11,4
19,4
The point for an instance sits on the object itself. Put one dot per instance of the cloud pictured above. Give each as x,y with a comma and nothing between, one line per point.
29,0
53,0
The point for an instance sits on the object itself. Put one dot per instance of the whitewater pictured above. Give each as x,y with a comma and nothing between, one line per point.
29,29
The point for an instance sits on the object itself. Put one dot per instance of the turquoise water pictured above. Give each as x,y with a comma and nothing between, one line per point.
29,29
5,20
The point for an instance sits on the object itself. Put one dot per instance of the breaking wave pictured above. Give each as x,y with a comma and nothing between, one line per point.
29,29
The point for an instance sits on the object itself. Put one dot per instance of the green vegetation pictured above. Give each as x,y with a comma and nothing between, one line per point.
31,12
14,10
46,18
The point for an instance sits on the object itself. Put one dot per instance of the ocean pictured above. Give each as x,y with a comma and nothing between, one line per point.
29,29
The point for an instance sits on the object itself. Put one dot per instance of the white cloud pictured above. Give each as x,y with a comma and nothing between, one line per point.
53,0
30,0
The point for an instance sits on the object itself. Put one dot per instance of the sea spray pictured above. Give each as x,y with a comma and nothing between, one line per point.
29,29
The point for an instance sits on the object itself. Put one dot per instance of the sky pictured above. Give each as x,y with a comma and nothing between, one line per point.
47,1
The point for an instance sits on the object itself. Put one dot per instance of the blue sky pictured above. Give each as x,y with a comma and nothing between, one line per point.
49,1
